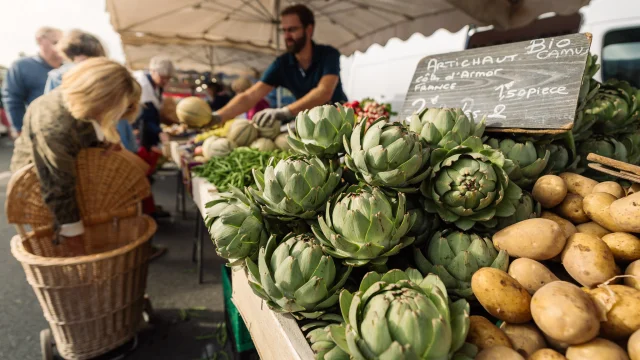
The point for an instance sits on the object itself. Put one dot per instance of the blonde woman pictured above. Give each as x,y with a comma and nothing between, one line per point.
81,113
243,84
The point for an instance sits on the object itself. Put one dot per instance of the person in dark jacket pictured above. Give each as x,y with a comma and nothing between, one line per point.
218,97
148,123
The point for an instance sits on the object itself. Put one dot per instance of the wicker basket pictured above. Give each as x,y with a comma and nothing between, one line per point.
93,303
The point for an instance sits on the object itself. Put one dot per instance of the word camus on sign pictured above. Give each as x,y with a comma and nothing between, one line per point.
529,85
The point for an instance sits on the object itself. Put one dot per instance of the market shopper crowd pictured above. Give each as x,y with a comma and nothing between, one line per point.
70,96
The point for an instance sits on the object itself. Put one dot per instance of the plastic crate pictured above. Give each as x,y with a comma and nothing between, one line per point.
241,337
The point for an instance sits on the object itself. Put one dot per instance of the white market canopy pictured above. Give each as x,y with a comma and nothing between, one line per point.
198,56
348,25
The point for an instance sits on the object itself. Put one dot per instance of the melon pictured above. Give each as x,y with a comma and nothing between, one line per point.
217,147
194,112
263,144
242,132
281,142
270,132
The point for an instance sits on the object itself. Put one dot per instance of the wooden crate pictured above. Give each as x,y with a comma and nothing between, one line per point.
276,336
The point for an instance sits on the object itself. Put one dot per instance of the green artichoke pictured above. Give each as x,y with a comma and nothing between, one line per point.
604,146
236,226
319,337
584,121
363,225
616,107
401,315
588,86
455,256
319,131
469,184
296,277
296,187
528,165
388,155
631,142
438,127
559,158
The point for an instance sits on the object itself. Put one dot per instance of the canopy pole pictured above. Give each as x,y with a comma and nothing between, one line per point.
276,27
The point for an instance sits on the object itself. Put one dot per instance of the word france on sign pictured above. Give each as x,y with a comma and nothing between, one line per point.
532,85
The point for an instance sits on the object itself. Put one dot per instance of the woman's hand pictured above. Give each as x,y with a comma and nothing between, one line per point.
75,245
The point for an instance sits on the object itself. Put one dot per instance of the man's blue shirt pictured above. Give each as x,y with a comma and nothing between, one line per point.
286,72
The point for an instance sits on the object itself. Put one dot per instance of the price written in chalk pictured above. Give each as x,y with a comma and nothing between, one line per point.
528,85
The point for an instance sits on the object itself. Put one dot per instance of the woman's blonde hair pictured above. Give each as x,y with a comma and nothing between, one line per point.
241,85
102,90
79,43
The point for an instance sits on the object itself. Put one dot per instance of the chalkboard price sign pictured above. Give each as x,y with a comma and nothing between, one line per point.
530,85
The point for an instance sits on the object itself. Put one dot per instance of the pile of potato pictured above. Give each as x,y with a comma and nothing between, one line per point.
588,307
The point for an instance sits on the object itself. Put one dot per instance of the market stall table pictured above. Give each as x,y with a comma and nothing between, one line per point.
282,339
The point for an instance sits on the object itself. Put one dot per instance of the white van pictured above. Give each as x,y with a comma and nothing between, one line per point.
384,73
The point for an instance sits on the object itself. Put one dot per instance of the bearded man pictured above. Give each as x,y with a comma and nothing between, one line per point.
310,71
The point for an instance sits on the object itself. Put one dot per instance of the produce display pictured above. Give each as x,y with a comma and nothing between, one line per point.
370,110
431,239
194,112
234,169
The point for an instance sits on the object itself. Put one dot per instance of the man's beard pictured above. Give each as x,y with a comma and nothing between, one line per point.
298,44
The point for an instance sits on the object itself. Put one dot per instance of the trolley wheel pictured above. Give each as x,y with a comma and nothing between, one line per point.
147,310
46,344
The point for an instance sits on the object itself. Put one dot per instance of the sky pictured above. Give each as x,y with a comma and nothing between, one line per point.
19,20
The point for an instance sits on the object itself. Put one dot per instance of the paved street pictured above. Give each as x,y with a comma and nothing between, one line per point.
172,287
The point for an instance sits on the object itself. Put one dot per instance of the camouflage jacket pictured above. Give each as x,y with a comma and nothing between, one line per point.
51,139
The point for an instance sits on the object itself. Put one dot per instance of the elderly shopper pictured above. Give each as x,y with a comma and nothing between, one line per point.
26,77
81,113
75,47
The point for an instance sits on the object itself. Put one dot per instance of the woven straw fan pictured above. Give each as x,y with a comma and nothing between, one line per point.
107,185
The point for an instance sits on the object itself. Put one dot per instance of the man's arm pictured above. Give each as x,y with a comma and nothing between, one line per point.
241,103
14,96
320,95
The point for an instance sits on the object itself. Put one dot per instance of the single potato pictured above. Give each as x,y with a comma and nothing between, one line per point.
578,184
610,187
546,354
538,239
633,275
499,352
633,346
565,313
567,227
571,208
624,246
619,308
531,274
525,338
592,228
588,260
596,349
596,206
484,334
549,191
626,213
501,295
